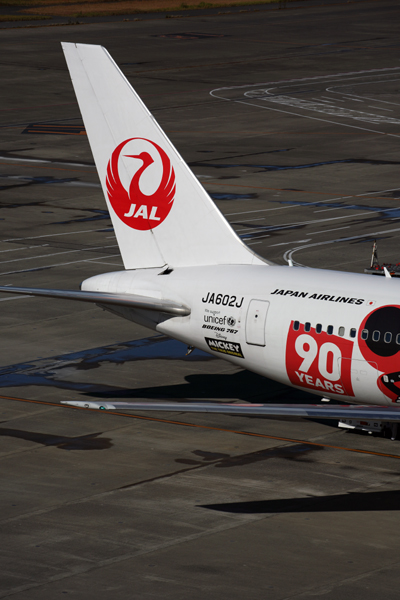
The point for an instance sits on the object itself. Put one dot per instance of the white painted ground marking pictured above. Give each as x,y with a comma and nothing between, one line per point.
258,237
304,79
32,160
311,233
312,203
23,248
73,262
52,162
327,109
362,80
35,237
57,254
67,183
332,91
252,220
296,223
286,243
14,298
327,230
346,77
14,249
285,207
289,253
303,116
329,209
380,108
102,262
251,230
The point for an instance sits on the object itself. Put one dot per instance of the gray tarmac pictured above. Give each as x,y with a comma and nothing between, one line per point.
290,119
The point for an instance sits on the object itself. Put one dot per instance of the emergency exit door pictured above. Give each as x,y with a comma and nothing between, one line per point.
256,321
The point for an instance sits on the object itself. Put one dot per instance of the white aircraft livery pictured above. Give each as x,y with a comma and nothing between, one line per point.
189,276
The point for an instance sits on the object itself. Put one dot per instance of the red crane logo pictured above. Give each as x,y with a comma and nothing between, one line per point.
135,209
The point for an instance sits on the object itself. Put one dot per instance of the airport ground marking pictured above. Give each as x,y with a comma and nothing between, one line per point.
89,249
316,202
72,262
46,167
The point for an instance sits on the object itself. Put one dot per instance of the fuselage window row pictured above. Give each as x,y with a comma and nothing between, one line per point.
329,329
376,336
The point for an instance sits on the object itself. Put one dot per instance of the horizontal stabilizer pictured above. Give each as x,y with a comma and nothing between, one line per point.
132,300
313,411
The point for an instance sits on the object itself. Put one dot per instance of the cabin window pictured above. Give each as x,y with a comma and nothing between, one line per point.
329,329
376,336
341,331
296,325
307,327
388,337
364,334
398,339
353,332
318,328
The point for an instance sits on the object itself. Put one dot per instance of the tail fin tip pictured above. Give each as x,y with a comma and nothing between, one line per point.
161,213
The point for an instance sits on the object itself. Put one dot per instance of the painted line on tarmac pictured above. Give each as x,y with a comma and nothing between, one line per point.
58,253
302,116
36,237
72,262
322,107
294,225
302,80
262,210
363,98
289,253
14,298
20,162
327,230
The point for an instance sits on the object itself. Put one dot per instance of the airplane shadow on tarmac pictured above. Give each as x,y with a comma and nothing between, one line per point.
64,372
242,385
353,502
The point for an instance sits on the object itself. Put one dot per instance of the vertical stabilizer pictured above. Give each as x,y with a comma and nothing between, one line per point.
160,212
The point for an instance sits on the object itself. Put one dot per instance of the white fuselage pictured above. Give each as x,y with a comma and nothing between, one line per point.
302,327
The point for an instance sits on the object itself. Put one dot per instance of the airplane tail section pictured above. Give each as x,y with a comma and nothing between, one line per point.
160,212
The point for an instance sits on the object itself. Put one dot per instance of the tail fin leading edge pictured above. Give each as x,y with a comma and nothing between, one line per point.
160,212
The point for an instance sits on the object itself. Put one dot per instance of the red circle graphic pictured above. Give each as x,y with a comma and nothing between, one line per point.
135,209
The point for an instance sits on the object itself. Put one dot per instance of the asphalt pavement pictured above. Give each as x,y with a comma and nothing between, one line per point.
290,119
